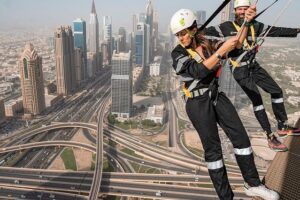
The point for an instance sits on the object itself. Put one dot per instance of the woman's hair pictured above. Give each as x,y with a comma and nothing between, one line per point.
205,43
201,40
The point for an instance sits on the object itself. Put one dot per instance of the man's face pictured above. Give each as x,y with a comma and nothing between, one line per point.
240,12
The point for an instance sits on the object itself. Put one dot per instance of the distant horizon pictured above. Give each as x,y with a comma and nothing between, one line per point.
31,14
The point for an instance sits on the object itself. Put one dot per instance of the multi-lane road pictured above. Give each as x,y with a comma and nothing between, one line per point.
86,110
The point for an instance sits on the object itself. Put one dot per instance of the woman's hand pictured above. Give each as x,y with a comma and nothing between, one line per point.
250,13
229,45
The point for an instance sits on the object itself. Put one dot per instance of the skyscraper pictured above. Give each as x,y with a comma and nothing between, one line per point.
155,31
121,84
93,31
92,64
142,18
122,39
227,82
134,22
104,50
32,81
149,17
201,16
149,21
228,13
107,34
79,27
78,66
142,41
64,56
132,43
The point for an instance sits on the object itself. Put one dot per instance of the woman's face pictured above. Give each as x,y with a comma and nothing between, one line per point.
184,37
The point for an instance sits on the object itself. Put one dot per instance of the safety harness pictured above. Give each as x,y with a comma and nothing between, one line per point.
246,46
187,92
258,43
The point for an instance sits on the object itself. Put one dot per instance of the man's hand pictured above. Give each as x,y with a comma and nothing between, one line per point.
250,13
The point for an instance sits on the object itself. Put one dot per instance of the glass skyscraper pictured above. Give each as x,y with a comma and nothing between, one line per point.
79,30
142,38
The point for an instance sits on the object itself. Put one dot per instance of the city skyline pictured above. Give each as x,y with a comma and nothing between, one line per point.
91,110
52,15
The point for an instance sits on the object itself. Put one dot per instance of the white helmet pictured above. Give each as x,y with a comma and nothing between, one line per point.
241,3
182,19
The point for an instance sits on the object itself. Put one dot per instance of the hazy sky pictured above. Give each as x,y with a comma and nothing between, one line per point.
36,13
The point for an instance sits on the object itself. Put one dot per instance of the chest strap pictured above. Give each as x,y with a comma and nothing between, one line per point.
247,46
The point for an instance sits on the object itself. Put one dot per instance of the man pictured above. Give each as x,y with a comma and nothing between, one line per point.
249,74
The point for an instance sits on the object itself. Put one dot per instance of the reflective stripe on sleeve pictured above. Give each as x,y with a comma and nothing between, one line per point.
180,63
185,78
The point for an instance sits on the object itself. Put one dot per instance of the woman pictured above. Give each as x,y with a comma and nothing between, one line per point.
196,61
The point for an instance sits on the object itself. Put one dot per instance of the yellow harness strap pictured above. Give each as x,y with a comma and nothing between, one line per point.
193,54
185,91
246,44
234,63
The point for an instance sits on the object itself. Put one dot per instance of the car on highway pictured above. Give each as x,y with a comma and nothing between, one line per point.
158,193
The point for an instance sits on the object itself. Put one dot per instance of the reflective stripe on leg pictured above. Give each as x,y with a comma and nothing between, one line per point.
258,108
243,152
278,100
215,165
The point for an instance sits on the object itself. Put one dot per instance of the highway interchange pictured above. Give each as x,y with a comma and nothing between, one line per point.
184,175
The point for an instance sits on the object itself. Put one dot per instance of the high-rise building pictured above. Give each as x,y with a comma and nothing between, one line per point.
122,39
228,13
107,34
79,66
227,81
142,18
79,30
201,16
121,84
149,15
149,21
104,50
142,41
2,111
92,64
155,31
134,22
12,107
93,30
130,41
118,41
64,55
32,81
